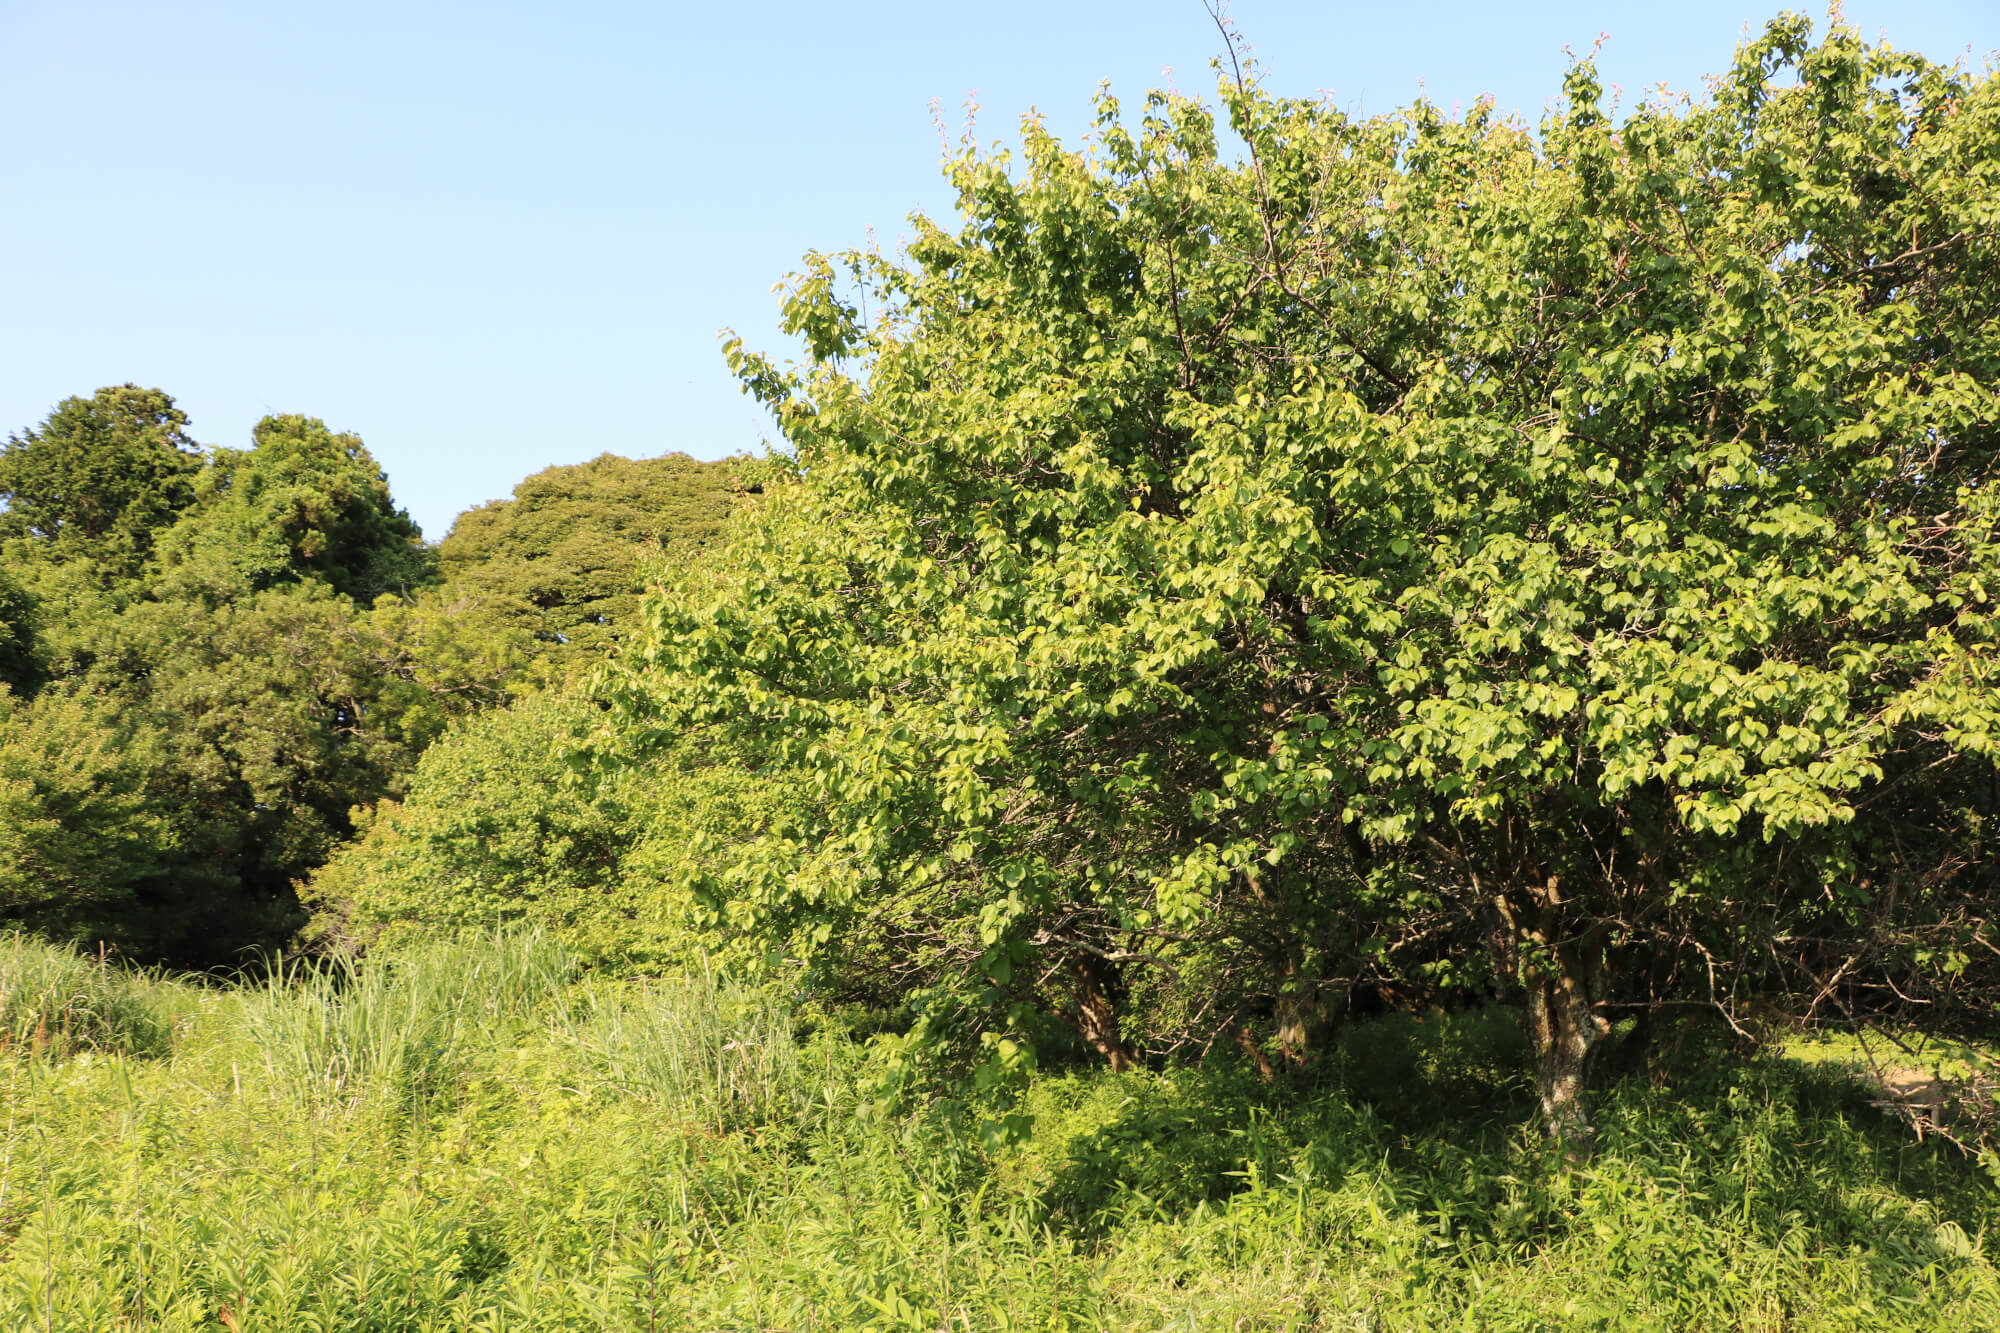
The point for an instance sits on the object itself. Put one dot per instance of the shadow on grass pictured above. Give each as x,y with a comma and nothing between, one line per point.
1429,1123
1156,1144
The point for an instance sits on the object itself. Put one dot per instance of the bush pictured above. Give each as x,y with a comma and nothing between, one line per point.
498,829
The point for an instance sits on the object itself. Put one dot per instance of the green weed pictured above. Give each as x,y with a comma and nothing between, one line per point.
721,1053
330,1031
581,1154
54,999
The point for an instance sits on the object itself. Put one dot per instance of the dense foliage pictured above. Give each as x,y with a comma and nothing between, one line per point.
497,827
1315,641
566,558
302,503
1417,557
202,688
213,660
100,477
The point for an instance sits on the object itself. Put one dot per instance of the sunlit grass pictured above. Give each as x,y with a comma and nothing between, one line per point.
473,1137
56,1000
333,1031
1929,1054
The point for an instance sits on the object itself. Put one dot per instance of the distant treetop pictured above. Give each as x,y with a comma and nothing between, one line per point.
100,476
563,560
302,502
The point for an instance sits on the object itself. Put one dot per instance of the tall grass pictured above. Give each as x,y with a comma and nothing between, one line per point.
55,999
720,1052
330,1032
597,1155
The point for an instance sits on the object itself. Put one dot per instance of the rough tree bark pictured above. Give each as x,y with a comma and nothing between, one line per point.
1563,973
1100,992
1307,1010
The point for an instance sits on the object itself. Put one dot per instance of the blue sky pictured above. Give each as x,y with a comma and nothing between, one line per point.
492,237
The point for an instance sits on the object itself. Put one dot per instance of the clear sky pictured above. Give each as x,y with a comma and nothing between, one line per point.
491,237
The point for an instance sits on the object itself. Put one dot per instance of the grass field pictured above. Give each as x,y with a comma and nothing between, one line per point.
476,1136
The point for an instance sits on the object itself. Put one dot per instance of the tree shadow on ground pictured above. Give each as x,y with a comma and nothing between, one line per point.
1160,1143
1698,1166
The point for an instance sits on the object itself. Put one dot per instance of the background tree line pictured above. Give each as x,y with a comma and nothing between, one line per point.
210,659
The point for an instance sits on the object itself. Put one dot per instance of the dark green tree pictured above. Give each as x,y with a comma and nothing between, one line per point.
263,721
18,670
301,503
100,477
79,838
565,559
228,700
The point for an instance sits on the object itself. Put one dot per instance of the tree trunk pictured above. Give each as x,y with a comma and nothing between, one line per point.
1563,1030
1564,977
1100,989
1307,1009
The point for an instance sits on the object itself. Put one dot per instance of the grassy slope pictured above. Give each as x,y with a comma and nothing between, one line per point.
473,1139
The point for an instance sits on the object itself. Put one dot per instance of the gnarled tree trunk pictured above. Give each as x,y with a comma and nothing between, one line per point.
1307,1009
1099,994
1564,976
1564,1029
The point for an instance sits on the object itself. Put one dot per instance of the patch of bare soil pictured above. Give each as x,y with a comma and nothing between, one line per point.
1963,1111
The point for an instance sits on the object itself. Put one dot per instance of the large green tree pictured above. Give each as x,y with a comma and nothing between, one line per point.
495,825
301,503
1412,551
100,476
566,558
191,729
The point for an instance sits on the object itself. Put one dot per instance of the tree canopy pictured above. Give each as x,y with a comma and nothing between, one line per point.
1416,553
215,663
100,476
202,686
301,503
564,560
1260,563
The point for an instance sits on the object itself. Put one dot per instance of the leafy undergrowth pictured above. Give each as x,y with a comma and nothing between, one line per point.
1872,1054
1936,1085
472,1137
